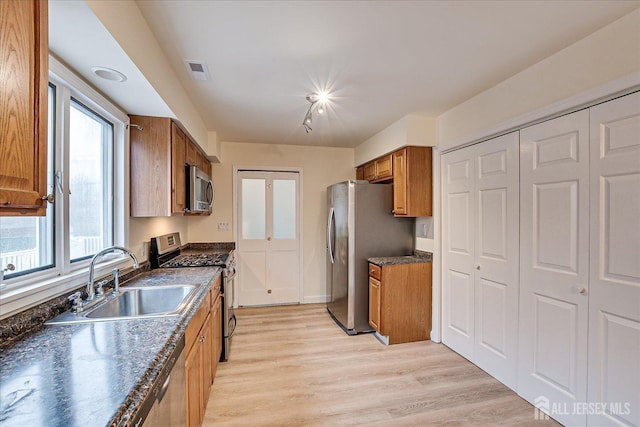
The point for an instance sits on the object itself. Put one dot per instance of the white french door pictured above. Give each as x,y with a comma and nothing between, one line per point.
480,262
614,289
268,230
554,263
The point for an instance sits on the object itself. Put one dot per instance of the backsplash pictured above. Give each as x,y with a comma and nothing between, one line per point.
217,246
17,327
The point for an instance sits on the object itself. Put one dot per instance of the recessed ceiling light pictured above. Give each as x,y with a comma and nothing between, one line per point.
109,74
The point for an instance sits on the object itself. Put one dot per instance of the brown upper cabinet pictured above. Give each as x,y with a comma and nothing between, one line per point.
179,143
412,186
378,170
410,170
159,154
24,68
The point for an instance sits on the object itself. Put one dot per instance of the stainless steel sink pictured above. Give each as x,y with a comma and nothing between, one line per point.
135,303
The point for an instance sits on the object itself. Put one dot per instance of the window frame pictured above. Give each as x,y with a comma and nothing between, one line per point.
24,291
107,178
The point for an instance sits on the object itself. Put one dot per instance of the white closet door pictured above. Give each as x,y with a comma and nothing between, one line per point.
458,171
614,292
480,261
496,257
554,263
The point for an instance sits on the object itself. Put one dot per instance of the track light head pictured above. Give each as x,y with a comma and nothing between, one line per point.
314,98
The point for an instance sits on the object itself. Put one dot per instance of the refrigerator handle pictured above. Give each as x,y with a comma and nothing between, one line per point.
330,220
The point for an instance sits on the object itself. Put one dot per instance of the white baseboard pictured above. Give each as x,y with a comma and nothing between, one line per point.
315,299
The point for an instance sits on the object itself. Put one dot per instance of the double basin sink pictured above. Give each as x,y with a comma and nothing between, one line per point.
134,302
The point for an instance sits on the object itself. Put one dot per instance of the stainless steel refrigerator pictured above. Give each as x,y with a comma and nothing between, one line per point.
360,225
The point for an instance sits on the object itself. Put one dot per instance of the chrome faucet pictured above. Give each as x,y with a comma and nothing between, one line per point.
91,291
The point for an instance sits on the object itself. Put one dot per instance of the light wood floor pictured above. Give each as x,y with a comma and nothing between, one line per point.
292,365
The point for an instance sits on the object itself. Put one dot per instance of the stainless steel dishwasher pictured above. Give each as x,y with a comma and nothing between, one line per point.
165,406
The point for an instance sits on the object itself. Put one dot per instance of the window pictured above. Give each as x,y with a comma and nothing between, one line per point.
28,242
90,182
86,173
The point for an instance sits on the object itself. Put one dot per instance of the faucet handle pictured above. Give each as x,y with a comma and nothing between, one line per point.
116,281
100,286
76,301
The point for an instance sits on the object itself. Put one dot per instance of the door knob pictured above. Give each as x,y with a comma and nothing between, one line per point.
477,266
583,291
269,238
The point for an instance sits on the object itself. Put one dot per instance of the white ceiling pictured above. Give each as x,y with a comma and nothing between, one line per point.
80,40
380,60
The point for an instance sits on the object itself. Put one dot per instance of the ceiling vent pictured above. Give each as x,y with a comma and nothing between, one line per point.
198,70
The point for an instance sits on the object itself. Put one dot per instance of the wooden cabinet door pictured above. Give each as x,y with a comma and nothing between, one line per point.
178,173
150,166
360,173
369,171
193,381
203,163
400,182
384,168
191,153
23,107
374,303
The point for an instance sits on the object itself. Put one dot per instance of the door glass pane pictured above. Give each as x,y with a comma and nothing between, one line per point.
253,208
284,209
90,182
27,242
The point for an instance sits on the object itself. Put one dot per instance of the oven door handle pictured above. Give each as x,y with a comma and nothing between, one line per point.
235,323
230,277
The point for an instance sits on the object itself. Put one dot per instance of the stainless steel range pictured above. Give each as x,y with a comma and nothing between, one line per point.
166,252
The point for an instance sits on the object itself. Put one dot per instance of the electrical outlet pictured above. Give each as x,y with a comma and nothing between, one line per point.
223,226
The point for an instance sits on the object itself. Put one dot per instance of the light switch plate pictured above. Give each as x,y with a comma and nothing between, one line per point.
223,226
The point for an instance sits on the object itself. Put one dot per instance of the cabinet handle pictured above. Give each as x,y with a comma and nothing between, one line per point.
49,198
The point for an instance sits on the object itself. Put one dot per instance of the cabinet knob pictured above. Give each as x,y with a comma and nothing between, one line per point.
49,198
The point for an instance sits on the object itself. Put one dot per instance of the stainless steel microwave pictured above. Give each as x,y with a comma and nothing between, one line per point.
200,192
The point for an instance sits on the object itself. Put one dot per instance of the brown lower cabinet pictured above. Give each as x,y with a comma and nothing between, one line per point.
203,343
400,301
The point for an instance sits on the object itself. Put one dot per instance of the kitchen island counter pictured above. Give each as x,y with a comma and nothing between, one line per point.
98,373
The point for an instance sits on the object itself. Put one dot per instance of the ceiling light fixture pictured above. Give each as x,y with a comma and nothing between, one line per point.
109,74
318,100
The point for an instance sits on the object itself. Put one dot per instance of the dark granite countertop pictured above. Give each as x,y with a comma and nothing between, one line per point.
204,248
94,374
416,258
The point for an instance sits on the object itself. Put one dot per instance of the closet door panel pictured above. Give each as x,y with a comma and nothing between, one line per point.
614,291
458,294
496,257
554,262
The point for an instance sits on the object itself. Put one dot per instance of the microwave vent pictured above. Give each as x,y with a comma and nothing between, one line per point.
198,70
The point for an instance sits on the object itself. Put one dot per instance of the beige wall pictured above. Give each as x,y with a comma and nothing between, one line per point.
321,167
607,55
409,130
141,230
